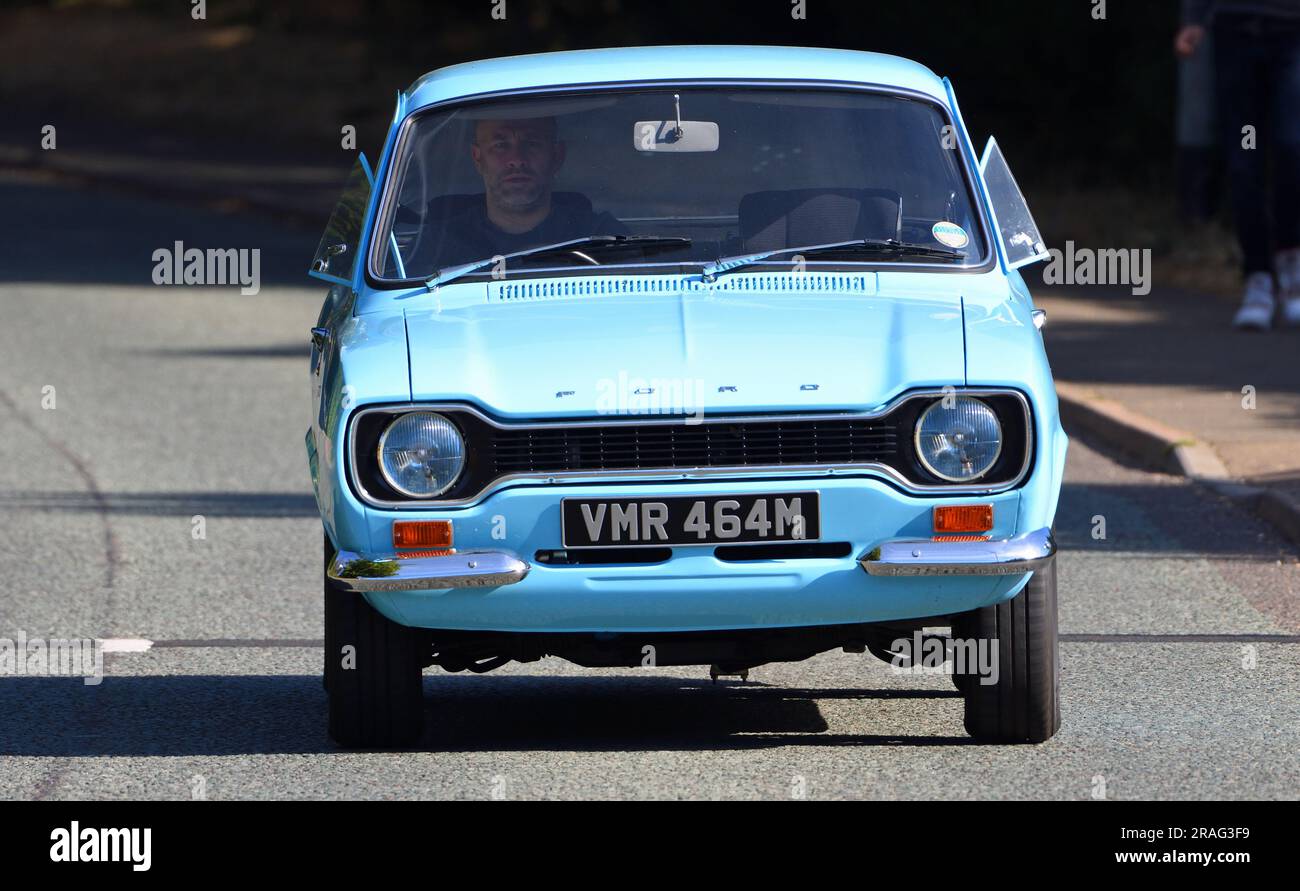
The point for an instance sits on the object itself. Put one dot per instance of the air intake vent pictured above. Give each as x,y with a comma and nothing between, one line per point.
589,286
815,282
635,285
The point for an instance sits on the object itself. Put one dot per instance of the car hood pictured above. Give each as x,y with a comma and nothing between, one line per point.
684,352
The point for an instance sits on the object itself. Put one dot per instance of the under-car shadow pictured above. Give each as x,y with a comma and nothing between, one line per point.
286,714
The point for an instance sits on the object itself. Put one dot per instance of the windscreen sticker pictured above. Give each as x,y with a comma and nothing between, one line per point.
950,234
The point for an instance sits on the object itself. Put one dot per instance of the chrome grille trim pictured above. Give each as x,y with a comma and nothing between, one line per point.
688,474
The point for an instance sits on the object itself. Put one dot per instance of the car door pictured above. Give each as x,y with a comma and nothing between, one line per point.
335,262
1022,243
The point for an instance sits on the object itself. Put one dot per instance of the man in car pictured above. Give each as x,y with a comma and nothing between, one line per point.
518,161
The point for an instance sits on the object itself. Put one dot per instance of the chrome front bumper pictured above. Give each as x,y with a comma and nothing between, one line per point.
487,569
468,569
1008,556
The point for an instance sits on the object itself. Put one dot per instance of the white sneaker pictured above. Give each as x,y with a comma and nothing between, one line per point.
1288,285
1258,304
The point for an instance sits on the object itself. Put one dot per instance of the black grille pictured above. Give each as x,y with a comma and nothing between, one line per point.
494,451
681,445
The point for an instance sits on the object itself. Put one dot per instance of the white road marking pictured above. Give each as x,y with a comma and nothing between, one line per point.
126,645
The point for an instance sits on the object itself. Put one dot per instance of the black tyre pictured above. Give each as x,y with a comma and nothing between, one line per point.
329,554
375,691
1024,705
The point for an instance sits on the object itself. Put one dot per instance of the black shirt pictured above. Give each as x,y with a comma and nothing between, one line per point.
457,230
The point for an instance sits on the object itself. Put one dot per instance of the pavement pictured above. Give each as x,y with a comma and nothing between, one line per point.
1164,378
1180,625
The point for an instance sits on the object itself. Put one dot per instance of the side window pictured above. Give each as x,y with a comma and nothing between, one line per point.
1021,240
336,255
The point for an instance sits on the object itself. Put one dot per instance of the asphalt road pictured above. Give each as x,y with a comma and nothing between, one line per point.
176,403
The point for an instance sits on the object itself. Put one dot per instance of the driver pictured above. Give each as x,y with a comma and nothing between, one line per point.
518,161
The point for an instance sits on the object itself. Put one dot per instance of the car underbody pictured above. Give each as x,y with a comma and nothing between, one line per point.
727,652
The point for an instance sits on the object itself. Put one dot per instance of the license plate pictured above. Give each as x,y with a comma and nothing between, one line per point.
716,519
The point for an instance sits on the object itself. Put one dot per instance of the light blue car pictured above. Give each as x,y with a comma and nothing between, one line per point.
662,356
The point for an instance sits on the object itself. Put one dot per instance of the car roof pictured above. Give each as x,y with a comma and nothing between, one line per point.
654,63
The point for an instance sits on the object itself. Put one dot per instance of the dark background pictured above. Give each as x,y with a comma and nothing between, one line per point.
1061,86
1084,107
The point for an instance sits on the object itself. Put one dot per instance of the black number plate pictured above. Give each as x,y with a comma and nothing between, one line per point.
716,519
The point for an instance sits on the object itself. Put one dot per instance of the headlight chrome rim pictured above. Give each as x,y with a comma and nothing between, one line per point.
383,467
920,451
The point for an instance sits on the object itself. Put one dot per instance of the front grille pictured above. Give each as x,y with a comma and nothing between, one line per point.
496,451
681,445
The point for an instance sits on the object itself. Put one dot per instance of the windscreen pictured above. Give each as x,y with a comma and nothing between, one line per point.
673,175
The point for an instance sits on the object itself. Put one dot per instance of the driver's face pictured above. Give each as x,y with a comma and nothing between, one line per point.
517,160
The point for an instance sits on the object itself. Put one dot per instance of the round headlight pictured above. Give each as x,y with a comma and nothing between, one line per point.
959,439
421,454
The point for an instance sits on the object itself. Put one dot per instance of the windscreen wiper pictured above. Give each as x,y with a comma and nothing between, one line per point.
578,246
857,245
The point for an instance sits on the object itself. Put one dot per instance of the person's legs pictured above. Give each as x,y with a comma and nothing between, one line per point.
1285,73
1198,166
1244,97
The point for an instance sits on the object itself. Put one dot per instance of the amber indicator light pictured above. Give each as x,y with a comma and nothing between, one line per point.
963,518
425,534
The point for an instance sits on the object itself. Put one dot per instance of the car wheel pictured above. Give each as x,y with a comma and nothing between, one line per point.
1024,705
372,673
329,555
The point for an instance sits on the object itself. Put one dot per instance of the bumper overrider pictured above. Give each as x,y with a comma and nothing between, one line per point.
467,569
486,569
1008,556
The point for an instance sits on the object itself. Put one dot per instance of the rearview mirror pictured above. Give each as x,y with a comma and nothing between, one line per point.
675,136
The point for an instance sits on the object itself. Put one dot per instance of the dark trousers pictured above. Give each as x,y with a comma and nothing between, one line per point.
1257,71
